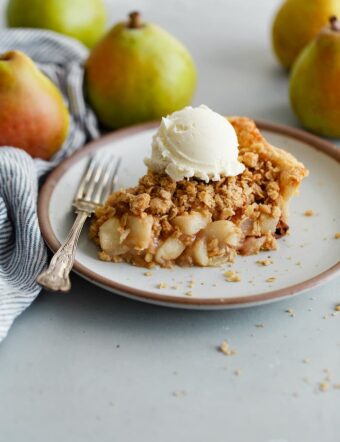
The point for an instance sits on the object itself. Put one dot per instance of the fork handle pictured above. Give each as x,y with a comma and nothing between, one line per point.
56,277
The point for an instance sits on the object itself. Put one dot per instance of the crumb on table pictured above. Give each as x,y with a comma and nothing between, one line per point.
290,312
179,393
225,349
308,212
324,386
337,235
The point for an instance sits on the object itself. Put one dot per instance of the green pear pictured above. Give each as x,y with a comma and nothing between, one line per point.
297,23
138,72
84,20
33,115
315,83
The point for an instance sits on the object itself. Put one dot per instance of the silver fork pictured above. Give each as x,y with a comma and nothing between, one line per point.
98,182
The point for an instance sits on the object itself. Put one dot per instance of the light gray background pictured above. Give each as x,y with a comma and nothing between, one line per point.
91,366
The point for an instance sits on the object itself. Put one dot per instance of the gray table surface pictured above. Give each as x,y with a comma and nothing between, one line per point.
92,366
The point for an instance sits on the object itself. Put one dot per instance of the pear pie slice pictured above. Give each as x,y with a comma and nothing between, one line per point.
192,222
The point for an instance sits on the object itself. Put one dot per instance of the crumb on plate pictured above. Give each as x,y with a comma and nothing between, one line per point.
271,279
264,262
231,276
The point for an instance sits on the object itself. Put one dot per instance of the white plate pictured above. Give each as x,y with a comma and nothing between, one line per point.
307,257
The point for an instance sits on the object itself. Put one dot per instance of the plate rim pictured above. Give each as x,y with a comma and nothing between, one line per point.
52,242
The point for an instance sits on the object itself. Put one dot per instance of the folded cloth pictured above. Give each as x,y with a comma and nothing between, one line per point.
23,254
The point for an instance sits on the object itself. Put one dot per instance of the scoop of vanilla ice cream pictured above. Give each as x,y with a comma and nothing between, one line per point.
195,142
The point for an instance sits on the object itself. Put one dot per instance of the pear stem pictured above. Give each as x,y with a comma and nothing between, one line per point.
335,23
134,20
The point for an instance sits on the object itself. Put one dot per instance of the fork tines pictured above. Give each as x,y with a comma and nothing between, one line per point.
100,177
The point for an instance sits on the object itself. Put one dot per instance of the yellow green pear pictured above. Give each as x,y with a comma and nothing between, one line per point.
33,116
138,72
297,22
84,20
315,83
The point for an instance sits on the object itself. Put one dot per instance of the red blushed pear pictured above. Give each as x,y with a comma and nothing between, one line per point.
33,115
138,72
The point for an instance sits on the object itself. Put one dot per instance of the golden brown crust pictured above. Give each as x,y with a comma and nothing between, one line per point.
251,139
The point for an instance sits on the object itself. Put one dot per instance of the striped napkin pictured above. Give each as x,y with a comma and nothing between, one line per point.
23,254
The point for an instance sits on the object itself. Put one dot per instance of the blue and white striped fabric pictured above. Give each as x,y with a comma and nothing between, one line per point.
22,251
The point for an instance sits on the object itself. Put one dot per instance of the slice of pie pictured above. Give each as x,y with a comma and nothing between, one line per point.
190,222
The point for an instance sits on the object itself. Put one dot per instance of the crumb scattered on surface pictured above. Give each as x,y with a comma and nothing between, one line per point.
259,325
328,374
298,263
337,235
179,393
191,284
308,212
290,312
237,372
231,276
189,293
324,386
162,285
148,274
271,279
306,360
226,350
337,308
264,262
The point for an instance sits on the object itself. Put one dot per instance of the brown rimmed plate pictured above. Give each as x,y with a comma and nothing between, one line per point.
308,257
